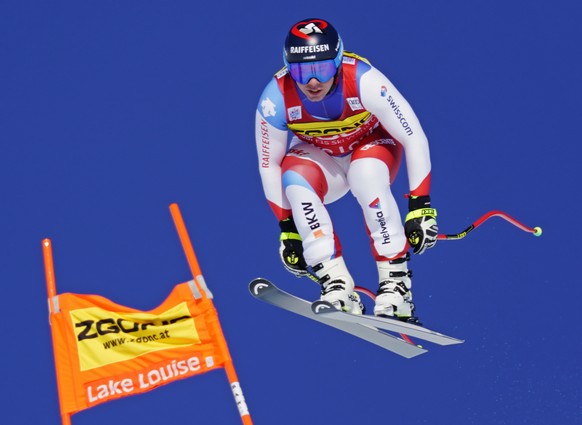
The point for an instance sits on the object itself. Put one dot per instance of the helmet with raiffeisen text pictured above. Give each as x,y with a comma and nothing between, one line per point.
316,44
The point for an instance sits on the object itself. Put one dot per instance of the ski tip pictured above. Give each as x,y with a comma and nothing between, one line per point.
259,285
320,307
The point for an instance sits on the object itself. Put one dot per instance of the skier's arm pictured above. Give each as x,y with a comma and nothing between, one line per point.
380,97
271,138
271,141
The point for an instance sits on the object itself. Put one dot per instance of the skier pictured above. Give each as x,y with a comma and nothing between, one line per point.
346,126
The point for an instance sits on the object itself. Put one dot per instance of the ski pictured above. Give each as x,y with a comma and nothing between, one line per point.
266,291
325,309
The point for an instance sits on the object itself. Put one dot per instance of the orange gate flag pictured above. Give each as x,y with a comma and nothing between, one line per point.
105,351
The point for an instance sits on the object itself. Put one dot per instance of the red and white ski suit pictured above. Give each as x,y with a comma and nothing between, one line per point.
312,153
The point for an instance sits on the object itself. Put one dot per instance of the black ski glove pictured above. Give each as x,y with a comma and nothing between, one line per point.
420,226
291,249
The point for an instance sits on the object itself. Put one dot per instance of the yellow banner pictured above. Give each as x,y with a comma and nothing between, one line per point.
105,337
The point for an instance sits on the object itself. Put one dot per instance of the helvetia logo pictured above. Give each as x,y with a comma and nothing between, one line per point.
375,204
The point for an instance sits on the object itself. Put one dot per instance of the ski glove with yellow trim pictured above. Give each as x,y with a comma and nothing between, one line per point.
291,249
420,225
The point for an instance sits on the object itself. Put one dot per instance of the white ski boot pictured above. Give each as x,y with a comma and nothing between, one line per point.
394,297
337,285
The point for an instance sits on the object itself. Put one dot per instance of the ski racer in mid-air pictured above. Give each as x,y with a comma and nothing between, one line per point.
329,122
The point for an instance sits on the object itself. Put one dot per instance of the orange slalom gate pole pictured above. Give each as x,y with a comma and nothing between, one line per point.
197,273
51,286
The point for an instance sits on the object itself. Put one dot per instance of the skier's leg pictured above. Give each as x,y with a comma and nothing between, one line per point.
374,167
311,178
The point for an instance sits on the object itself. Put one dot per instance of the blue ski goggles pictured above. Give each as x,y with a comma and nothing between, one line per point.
323,71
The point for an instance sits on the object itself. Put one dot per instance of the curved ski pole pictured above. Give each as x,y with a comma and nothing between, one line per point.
536,231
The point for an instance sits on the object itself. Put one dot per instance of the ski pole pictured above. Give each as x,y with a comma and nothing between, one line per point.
537,231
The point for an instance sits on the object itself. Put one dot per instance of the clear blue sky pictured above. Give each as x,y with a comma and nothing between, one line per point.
112,110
